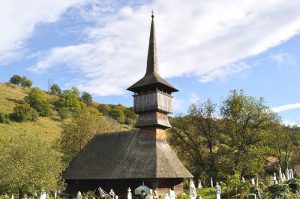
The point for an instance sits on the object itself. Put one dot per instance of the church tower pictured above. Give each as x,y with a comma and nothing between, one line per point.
152,97
129,159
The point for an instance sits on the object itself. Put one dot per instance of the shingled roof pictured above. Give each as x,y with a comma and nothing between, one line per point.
121,156
152,77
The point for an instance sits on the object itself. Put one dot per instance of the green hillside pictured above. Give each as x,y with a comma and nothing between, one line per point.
46,128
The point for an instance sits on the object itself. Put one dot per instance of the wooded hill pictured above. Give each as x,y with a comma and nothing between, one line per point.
49,126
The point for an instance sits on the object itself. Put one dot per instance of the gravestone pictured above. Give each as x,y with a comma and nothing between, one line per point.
43,195
172,194
218,192
129,194
211,183
252,181
199,184
112,193
280,174
79,196
193,193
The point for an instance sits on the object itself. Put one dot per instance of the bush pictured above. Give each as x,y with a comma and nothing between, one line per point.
278,190
23,113
38,100
104,108
64,113
4,118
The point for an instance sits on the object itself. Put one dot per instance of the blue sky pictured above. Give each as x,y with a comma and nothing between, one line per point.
205,49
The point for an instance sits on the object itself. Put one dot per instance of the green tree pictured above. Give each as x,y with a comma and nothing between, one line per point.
28,165
104,108
195,137
247,123
55,90
25,82
130,116
23,113
281,142
87,98
16,79
75,91
118,114
39,101
70,100
79,131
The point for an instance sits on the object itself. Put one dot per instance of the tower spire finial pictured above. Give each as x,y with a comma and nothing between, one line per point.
152,68
152,14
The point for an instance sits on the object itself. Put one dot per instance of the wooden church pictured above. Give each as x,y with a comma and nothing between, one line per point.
128,159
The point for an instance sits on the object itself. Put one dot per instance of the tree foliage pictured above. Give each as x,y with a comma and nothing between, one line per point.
79,131
87,98
196,138
247,122
28,165
235,139
25,82
118,112
23,112
21,81
70,100
55,90
39,101
16,79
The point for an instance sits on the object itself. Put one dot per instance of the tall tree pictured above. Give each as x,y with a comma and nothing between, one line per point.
196,138
247,122
28,165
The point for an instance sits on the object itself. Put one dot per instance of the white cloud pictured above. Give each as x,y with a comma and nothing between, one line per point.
286,107
291,123
282,58
206,39
19,18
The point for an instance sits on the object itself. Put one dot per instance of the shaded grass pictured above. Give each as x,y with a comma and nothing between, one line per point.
45,128
10,95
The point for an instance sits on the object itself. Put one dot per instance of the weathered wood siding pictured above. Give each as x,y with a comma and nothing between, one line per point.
153,101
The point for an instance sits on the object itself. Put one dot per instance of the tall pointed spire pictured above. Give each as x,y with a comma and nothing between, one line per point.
152,66
152,78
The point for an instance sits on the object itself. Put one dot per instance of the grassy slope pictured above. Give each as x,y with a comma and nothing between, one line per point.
46,128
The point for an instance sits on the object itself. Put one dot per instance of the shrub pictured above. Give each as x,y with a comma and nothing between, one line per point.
64,113
38,100
4,118
23,113
278,190
104,108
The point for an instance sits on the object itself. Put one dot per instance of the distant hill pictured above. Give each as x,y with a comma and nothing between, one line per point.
49,128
